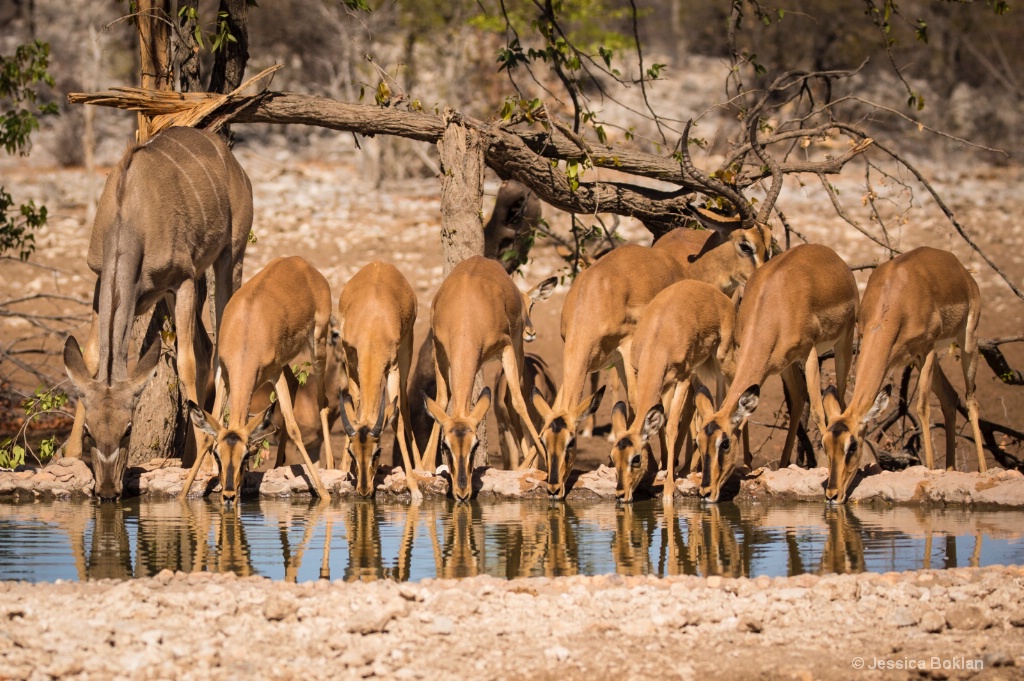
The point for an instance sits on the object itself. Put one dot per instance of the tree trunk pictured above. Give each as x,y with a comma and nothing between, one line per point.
186,51
462,231
229,61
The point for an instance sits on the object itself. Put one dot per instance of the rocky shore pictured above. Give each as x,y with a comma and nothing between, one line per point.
201,625
163,478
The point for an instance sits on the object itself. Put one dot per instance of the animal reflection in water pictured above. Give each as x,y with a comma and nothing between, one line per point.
376,541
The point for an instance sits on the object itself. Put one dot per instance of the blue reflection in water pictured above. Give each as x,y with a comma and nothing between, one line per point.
364,540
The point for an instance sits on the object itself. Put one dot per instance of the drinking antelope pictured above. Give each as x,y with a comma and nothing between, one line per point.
799,304
536,376
913,304
378,310
174,206
477,315
687,329
281,311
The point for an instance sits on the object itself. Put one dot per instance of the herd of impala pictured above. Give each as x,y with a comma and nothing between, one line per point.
670,318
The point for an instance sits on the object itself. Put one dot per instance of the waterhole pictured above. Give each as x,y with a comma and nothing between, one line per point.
366,540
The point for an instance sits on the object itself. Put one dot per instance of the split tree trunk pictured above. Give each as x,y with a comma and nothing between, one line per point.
462,229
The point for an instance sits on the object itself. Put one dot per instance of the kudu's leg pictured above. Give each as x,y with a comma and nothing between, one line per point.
969,363
511,361
285,400
924,407
797,389
441,379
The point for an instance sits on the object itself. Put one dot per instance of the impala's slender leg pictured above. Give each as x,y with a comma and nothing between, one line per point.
797,395
666,401
394,389
628,375
587,425
441,379
318,351
947,401
285,400
924,407
681,396
969,363
685,419
511,361
404,361
844,361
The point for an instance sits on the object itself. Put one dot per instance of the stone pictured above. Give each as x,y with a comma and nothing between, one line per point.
902,617
442,626
560,653
369,621
750,623
277,607
968,617
932,622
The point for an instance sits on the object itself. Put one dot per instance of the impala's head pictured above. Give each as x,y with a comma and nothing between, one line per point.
842,442
233,447
632,449
458,442
746,245
108,414
541,291
364,440
718,440
558,438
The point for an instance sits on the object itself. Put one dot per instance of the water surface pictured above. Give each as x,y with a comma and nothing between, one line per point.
367,540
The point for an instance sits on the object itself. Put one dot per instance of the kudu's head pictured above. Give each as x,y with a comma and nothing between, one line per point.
364,439
632,449
541,291
718,440
843,441
558,438
233,447
459,442
109,406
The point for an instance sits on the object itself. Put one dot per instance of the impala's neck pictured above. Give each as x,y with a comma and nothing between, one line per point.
577,358
649,383
752,368
879,347
241,384
119,290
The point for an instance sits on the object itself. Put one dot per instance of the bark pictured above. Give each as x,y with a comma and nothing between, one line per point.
462,230
186,50
154,51
230,60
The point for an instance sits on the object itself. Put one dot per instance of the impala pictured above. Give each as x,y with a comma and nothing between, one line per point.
174,206
284,309
913,304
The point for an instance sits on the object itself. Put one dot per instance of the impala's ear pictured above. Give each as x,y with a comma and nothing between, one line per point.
589,406
881,402
483,403
653,422
201,420
747,405
436,412
830,403
261,425
539,404
704,403
619,426
543,290
74,363
723,224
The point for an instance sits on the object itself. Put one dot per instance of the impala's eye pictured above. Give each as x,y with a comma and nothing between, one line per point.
634,461
571,445
746,249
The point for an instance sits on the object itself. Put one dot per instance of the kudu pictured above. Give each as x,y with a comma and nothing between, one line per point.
508,235
686,330
284,309
799,304
377,309
477,315
913,304
174,206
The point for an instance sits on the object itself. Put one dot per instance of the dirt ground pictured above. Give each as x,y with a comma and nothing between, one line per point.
312,203
950,624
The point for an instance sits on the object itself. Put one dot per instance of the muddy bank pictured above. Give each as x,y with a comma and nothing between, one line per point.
916,485
203,625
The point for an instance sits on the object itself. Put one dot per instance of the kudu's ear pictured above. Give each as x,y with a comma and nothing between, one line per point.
348,414
74,363
747,405
881,402
202,420
653,422
589,406
436,412
145,370
483,403
262,425
543,290
539,404
619,426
